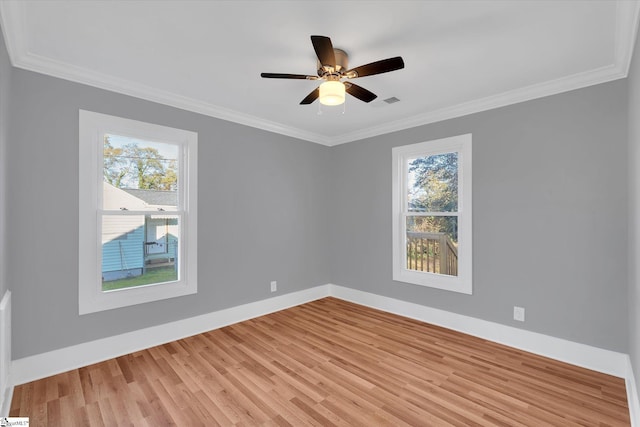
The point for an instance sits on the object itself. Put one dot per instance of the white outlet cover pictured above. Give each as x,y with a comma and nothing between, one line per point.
518,313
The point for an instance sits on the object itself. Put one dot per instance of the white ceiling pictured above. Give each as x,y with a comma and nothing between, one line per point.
207,56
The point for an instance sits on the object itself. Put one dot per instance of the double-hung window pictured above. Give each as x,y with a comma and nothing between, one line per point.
138,212
432,214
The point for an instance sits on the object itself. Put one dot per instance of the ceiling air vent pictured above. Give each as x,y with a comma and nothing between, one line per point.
391,100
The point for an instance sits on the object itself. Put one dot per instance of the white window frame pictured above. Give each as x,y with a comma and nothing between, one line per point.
93,127
401,155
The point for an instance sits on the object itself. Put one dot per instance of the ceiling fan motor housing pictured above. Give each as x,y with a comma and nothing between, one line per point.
333,67
342,62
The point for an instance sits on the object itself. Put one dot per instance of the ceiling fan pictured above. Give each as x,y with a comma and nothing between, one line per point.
332,68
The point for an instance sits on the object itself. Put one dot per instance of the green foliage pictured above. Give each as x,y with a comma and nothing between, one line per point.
133,166
114,169
434,189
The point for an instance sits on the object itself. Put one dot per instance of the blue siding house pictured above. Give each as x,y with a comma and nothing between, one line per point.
132,243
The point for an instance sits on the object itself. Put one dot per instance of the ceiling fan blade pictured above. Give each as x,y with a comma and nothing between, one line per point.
359,92
287,76
324,50
311,97
378,67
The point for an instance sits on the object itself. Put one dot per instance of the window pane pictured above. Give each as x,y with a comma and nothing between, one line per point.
139,250
139,174
433,183
432,244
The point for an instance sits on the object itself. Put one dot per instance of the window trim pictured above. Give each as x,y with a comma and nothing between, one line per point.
92,127
400,155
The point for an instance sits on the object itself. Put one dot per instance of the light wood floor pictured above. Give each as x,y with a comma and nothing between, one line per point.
328,362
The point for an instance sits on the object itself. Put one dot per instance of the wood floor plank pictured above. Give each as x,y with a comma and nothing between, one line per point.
93,415
327,363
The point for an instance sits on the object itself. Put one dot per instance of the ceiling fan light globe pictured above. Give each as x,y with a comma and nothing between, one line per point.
332,93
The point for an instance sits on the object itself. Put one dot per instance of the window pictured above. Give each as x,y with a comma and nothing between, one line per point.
138,212
432,214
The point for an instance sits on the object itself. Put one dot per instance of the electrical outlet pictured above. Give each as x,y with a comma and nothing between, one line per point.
274,286
518,313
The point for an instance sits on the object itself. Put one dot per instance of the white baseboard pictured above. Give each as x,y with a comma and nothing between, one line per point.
6,402
65,359
6,388
597,359
46,364
632,395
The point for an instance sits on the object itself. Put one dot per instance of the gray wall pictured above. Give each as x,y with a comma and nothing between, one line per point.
549,206
262,214
634,213
550,196
5,75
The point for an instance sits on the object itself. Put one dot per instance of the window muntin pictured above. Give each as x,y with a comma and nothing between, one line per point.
138,176
138,216
432,213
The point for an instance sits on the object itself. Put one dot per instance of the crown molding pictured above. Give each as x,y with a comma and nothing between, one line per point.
527,93
627,17
43,65
627,14
12,20
13,16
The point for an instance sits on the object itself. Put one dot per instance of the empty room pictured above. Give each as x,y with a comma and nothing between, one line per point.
319,213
